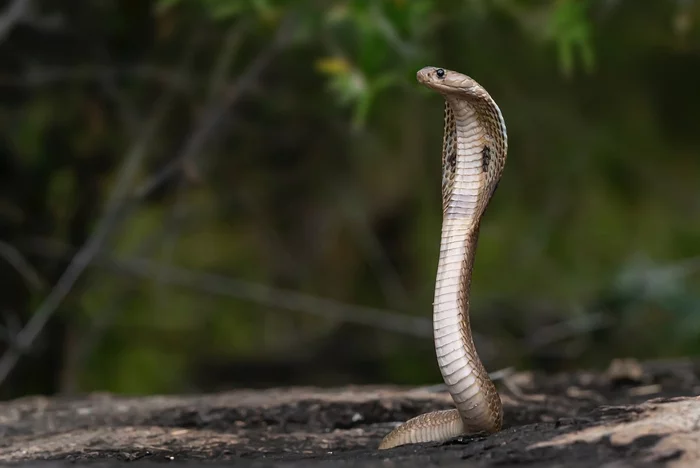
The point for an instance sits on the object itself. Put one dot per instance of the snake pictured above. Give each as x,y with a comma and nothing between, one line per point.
474,148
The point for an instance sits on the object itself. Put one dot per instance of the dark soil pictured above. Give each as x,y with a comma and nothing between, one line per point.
630,415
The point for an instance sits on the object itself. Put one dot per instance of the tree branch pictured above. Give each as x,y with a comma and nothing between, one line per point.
105,226
262,294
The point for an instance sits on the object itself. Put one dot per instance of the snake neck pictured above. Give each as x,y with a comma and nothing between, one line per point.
465,195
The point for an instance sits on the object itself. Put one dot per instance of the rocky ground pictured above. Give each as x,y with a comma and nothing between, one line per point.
631,415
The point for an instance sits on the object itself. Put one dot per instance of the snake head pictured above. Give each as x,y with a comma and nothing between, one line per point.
448,82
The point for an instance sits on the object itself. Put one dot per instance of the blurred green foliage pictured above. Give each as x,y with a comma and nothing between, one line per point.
323,177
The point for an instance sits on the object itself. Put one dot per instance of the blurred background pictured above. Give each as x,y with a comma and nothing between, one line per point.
198,195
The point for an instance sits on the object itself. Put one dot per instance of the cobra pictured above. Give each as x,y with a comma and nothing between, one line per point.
475,144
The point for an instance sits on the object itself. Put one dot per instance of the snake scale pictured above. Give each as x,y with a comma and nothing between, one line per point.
474,151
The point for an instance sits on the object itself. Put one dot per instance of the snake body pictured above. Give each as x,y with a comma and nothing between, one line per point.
473,156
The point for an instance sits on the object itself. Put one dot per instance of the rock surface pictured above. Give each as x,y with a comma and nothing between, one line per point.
632,415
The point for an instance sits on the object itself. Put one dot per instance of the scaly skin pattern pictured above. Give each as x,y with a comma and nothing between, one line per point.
474,151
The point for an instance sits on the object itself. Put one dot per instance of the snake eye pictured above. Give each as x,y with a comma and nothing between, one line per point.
440,73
